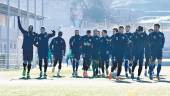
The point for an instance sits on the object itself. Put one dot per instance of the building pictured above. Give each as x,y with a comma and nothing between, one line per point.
10,36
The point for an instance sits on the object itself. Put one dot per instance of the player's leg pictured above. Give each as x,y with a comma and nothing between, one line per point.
40,67
140,68
126,65
151,67
102,65
77,65
96,67
88,65
113,67
59,67
119,69
93,67
45,67
74,66
107,66
159,68
130,66
29,68
159,57
85,66
25,61
146,65
133,67
54,65
24,68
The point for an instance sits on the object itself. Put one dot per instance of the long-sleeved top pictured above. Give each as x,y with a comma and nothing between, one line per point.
96,47
105,47
118,45
58,47
139,40
75,43
42,44
28,38
87,46
156,40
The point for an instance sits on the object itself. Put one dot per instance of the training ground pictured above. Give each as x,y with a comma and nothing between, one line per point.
12,85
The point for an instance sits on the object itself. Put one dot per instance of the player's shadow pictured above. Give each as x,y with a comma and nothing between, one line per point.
77,77
164,81
122,81
38,78
162,75
58,76
22,78
144,81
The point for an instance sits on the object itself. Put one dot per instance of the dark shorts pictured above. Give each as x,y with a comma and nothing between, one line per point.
104,58
76,56
138,54
86,61
156,54
58,57
117,59
27,55
128,54
43,55
118,54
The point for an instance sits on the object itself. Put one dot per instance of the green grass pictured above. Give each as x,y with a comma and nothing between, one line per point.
10,85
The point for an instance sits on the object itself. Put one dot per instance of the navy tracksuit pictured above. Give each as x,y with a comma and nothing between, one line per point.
58,48
157,41
86,51
129,46
105,52
27,46
42,45
28,42
139,40
75,43
128,51
118,45
95,54
147,51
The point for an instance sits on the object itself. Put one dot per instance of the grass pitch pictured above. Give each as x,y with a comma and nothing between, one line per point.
11,85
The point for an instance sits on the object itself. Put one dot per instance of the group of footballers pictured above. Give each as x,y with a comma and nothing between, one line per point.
98,49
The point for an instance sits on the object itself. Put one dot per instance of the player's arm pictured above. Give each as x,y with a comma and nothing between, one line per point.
36,40
52,34
71,42
162,40
20,26
51,45
64,47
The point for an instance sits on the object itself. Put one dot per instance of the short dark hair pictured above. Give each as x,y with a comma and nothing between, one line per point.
88,31
105,31
115,29
121,27
128,26
60,33
157,25
140,28
150,30
42,27
76,30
